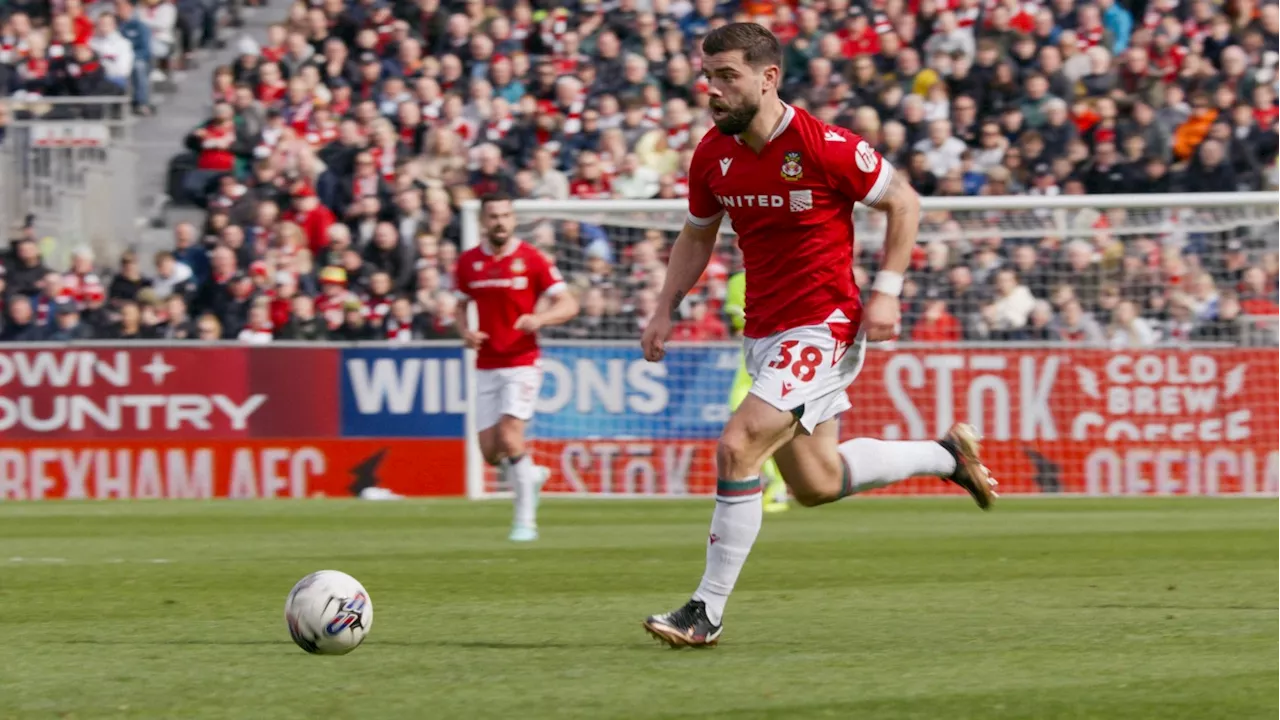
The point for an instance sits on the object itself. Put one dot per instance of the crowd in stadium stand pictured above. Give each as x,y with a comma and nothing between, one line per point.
337,154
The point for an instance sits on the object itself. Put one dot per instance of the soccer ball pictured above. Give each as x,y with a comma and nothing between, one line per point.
328,613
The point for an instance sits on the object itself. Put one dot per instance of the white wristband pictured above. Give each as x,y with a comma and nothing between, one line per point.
888,282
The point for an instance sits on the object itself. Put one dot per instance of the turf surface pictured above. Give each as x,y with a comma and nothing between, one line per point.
868,609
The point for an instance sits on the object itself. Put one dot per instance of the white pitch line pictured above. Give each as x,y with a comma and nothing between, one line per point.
107,561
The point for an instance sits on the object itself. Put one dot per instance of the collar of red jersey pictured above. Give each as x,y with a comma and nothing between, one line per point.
511,247
788,114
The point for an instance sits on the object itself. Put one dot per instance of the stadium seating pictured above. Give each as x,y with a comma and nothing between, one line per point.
339,152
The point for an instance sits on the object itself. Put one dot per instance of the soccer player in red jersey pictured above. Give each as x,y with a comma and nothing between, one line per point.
789,183
506,277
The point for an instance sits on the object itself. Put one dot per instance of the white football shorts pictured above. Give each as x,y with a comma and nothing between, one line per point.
806,370
506,391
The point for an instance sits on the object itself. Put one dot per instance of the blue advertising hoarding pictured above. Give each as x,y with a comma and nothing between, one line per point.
588,391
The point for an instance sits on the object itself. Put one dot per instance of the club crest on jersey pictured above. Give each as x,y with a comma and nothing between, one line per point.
477,266
791,168
517,266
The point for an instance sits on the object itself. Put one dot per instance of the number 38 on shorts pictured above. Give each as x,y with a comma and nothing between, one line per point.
807,366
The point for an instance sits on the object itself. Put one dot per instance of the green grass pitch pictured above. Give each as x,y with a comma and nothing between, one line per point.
866,609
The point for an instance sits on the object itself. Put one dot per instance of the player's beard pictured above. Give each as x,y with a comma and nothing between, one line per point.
499,239
736,120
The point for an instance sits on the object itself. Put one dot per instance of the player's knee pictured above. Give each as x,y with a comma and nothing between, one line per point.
490,448
735,454
511,439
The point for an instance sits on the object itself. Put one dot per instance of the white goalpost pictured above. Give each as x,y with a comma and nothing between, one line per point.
1167,385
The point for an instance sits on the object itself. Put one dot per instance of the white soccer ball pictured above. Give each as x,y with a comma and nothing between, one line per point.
328,613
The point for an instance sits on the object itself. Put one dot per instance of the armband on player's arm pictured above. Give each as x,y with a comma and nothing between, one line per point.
689,257
901,203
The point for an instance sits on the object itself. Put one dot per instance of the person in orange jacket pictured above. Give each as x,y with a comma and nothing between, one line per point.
1191,133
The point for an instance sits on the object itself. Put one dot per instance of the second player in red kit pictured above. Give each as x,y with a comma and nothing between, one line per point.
788,183
508,279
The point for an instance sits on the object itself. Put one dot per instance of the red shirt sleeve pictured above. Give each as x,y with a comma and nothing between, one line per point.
855,168
545,275
704,208
461,281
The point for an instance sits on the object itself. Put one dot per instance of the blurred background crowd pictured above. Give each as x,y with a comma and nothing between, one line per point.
339,149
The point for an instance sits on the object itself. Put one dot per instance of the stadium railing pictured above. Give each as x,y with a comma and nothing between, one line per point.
68,164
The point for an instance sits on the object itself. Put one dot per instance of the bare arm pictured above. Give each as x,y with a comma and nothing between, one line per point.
882,316
562,308
689,258
460,315
901,203
472,339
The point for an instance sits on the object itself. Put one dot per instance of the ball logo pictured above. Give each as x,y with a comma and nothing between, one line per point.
349,615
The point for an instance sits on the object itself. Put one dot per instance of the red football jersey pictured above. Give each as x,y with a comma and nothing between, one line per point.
792,207
504,287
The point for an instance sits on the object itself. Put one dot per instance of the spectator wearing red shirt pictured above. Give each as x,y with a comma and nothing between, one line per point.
590,182
311,216
271,88
82,24
701,325
274,49
1256,299
858,36
215,141
936,325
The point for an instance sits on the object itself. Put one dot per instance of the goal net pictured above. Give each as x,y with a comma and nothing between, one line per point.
1103,345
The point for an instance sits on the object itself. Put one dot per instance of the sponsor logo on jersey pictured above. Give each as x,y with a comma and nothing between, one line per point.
801,200
833,136
477,266
724,166
865,157
515,283
791,168
751,201
517,266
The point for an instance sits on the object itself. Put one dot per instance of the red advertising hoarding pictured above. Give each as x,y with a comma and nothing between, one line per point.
236,469
168,392
101,422
1098,422
174,421
1095,422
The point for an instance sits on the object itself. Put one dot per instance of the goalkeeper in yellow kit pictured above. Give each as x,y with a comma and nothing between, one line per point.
735,303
